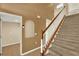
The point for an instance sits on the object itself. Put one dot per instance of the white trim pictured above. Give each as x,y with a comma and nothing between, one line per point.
30,51
1,37
21,38
73,12
10,44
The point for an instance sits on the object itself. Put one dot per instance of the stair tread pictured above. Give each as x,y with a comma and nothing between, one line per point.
62,51
67,37
68,41
71,48
52,53
68,44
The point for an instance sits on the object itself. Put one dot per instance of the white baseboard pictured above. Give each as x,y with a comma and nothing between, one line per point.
10,44
31,50
73,12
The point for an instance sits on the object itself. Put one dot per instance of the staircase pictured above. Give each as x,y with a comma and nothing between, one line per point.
67,40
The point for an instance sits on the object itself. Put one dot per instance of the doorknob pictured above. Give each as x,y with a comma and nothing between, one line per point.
22,26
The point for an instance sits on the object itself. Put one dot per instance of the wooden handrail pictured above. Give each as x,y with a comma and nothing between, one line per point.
52,21
52,36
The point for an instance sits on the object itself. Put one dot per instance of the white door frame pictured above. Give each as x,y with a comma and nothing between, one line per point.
1,37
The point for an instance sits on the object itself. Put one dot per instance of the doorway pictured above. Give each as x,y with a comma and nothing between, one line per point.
29,36
11,34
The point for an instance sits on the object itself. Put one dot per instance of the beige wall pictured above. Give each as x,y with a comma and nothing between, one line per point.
10,33
73,8
0,5
31,11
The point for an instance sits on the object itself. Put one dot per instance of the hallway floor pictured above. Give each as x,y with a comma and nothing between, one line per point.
67,40
34,53
12,50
